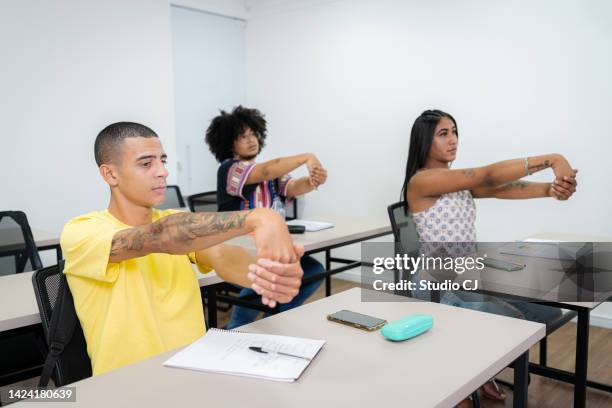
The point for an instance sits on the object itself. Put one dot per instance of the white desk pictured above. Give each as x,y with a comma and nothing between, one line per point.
346,231
18,306
45,238
355,368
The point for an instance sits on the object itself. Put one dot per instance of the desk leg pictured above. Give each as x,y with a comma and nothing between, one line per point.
327,268
582,357
521,383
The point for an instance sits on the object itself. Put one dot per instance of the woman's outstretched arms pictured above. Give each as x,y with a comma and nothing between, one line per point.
434,182
520,189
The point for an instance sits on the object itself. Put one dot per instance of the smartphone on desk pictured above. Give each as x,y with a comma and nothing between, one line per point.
358,320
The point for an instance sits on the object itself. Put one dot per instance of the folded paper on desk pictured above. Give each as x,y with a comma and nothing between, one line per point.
311,226
227,352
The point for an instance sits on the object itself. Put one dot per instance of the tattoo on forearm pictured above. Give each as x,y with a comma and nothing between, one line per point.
469,172
181,227
537,167
514,184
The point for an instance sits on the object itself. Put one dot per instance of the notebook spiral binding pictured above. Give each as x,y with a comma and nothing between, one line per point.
217,330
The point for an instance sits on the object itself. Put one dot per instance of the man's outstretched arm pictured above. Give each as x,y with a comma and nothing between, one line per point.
182,233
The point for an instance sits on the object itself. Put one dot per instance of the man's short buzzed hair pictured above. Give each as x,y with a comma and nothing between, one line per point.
111,137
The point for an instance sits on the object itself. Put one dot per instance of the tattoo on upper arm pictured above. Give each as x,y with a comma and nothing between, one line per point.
118,244
537,167
468,172
133,239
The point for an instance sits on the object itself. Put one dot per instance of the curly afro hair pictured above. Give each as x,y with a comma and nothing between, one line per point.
225,129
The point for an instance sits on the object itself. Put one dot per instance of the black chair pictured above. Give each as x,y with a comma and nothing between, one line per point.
22,350
174,199
407,240
405,235
18,252
61,326
203,202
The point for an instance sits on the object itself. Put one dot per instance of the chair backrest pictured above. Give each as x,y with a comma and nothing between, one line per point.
174,198
53,296
203,202
406,239
404,229
18,252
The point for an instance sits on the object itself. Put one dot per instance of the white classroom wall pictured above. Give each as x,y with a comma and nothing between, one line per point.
69,68
209,75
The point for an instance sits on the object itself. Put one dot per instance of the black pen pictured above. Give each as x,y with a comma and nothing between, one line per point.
261,350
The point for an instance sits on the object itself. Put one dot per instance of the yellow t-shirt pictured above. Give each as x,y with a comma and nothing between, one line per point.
133,309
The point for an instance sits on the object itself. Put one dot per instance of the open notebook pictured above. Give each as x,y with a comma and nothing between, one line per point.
227,352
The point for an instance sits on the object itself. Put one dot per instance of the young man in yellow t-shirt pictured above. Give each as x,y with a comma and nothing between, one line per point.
129,266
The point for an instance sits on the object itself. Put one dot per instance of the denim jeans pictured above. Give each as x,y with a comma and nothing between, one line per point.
243,315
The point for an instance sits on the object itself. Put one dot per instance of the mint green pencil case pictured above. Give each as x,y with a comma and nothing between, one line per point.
407,327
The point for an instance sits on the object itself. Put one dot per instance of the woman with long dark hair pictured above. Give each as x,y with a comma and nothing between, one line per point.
433,147
440,201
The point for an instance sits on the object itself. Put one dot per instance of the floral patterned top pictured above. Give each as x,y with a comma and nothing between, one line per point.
451,219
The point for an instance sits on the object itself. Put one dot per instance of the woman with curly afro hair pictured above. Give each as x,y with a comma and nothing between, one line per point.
235,139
